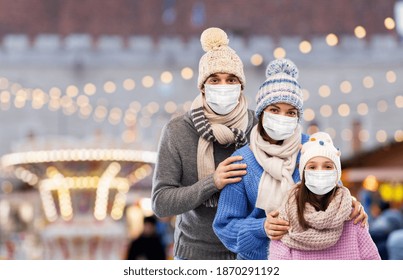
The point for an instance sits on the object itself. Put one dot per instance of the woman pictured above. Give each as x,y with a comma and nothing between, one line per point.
318,210
271,159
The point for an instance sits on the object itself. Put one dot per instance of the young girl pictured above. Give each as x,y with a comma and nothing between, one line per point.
318,210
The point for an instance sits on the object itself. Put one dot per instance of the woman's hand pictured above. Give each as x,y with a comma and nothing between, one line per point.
275,227
359,214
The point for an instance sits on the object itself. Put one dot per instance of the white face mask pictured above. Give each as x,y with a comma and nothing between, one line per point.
279,127
222,99
320,182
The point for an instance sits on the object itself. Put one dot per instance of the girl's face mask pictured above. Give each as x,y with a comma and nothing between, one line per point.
320,182
222,99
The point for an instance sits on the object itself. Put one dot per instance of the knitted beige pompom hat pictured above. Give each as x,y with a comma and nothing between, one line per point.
219,57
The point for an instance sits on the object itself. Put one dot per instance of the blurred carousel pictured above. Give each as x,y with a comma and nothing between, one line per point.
83,187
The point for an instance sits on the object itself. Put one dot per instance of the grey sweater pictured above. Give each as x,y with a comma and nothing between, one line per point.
177,191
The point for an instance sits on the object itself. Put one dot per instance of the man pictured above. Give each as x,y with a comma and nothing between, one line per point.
194,161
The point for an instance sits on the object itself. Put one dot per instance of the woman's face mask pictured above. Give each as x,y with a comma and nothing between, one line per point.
222,99
320,182
279,127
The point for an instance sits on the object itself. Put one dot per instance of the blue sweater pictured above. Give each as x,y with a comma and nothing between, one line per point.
238,223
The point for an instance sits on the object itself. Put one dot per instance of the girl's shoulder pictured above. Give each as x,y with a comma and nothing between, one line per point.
355,228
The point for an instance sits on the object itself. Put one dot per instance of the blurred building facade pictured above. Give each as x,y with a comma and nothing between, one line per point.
114,72
187,19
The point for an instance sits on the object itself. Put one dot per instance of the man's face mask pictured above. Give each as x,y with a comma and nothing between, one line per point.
222,99
279,127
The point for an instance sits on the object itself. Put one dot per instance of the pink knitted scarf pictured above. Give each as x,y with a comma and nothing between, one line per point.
326,226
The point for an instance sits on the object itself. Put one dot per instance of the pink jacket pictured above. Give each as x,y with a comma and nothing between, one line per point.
355,243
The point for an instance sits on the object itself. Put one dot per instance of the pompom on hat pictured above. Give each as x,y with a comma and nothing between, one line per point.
219,57
320,144
281,86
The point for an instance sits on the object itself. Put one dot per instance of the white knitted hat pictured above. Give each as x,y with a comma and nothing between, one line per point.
320,145
281,86
219,57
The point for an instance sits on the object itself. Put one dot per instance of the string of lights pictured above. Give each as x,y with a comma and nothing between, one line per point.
89,100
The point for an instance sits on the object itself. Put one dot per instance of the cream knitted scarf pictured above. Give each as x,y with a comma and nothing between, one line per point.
225,129
278,162
326,226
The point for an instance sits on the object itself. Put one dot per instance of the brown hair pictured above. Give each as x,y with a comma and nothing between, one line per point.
303,196
261,130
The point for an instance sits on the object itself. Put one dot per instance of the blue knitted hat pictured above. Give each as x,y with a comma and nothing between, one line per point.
281,86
